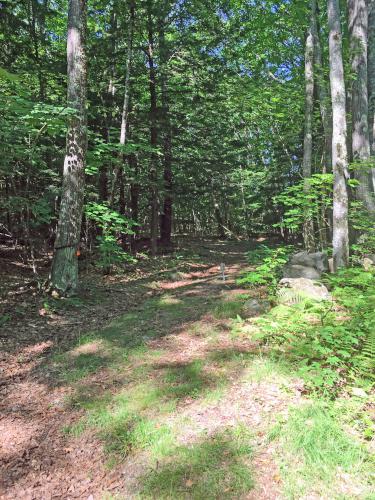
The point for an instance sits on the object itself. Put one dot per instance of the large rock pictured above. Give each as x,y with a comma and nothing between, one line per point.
300,271
371,256
293,290
317,260
367,264
254,307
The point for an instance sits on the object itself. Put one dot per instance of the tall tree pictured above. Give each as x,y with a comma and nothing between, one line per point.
64,272
371,81
166,216
153,130
125,105
358,23
340,241
323,94
308,226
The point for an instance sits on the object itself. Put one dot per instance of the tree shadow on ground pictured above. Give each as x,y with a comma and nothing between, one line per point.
215,467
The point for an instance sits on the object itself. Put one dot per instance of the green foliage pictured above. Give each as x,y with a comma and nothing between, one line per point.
355,289
269,272
111,224
306,199
329,347
363,223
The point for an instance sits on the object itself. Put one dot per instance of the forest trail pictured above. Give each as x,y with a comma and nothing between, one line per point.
169,400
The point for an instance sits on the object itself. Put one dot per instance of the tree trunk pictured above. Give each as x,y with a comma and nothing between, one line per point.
323,96
125,106
358,23
153,133
134,196
308,225
37,18
64,272
339,152
166,217
371,82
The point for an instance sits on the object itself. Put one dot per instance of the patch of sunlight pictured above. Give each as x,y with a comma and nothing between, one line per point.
167,300
202,329
139,397
126,433
215,394
263,369
216,467
317,458
94,347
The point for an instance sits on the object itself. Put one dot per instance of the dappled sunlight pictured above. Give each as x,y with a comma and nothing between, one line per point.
217,465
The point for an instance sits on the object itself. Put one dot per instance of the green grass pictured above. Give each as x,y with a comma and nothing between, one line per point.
216,467
135,407
229,309
316,454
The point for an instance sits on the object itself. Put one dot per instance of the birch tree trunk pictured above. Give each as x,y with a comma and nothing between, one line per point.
358,22
371,81
64,272
340,241
308,225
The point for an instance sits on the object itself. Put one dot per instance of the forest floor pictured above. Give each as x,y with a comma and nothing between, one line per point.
150,385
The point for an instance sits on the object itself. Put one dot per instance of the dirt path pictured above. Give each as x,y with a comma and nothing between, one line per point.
133,407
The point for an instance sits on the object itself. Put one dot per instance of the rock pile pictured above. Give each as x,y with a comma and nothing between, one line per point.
301,278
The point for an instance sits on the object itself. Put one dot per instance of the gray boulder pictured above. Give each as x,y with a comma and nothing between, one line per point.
367,264
317,260
255,307
371,256
294,290
301,271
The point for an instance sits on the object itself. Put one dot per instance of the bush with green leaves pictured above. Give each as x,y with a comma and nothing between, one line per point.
269,271
301,204
363,223
112,224
330,343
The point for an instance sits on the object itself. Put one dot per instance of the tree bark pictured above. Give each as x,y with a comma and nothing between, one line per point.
125,106
340,241
166,217
323,95
358,23
371,82
134,196
153,133
64,272
308,225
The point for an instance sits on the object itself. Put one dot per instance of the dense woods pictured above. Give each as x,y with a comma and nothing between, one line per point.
139,134
197,120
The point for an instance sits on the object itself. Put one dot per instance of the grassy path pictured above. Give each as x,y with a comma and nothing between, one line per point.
174,399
